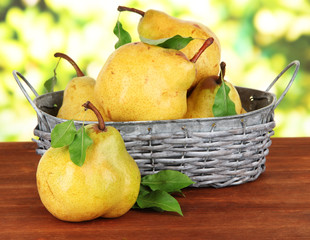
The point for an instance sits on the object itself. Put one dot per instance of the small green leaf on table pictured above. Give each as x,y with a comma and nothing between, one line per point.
159,200
155,191
167,180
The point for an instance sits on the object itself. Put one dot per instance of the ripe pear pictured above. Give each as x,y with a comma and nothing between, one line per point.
106,185
146,82
243,111
156,25
78,90
200,101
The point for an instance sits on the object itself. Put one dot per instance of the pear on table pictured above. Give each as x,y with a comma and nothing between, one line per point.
78,90
201,100
106,185
146,82
156,25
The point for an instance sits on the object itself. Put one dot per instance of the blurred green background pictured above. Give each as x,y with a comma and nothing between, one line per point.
258,38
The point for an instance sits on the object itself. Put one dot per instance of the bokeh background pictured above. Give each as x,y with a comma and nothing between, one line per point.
259,38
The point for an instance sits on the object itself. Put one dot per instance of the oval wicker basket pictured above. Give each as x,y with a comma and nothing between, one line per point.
213,152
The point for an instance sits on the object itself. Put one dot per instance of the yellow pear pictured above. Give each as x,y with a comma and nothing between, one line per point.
156,25
243,111
200,101
78,90
106,185
146,82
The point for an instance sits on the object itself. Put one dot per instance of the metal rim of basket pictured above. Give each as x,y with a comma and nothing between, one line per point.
18,75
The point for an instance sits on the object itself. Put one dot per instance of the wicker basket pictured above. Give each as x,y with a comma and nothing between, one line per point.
213,152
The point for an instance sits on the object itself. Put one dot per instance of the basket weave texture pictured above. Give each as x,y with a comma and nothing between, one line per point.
210,159
213,152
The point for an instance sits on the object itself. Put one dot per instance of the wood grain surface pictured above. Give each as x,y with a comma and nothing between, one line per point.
275,206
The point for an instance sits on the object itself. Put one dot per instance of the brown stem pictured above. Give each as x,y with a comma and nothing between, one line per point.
101,124
222,73
123,8
79,73
205,45
223,69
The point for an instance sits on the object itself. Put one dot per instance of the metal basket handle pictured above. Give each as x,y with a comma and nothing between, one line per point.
18,75
297,64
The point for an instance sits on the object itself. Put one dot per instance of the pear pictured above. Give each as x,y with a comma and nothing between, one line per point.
243,111
78,90
200,101
146,82
106,185
156,25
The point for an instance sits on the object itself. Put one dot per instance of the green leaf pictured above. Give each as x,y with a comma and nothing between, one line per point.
135,206
63,134
179,192
50,83
176,42
159,200
144,190
167,180
78,147
123,36
223,106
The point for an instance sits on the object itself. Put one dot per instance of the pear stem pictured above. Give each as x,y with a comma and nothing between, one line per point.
123,8
79,73
205,45
222,73
101,124
223,68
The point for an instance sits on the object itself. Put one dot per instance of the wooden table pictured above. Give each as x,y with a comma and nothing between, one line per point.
275,206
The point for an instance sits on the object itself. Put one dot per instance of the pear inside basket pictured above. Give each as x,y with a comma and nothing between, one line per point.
255,102
251,100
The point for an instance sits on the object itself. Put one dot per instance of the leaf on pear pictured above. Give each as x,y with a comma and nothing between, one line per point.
78,147
167,180
223,105
50,84
160,201
176,42
63,134
123,36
